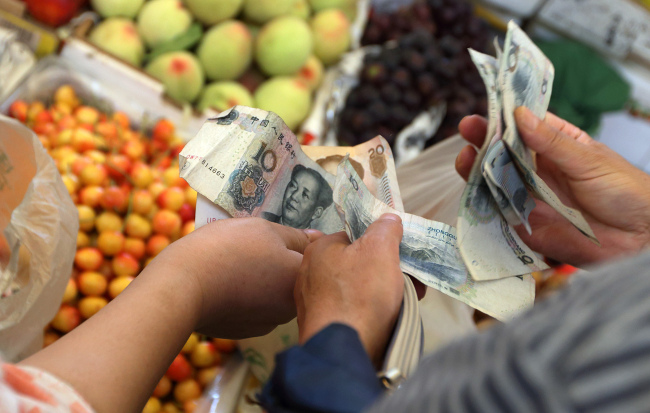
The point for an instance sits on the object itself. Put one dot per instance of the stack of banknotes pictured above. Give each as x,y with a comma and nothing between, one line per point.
248,163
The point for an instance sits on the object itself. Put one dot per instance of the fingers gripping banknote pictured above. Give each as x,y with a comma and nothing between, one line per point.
429,251
489,247
526,79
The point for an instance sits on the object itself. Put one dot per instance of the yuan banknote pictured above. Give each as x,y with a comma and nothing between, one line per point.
429,251
490,248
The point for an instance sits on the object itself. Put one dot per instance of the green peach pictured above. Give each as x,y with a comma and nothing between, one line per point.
226,50
211,12
117,8
180,73
261,11
224,95
349,7
301,9
288,97
118,36
162,20
311,73
331,35
283,45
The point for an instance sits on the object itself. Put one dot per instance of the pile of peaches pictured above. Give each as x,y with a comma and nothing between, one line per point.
132,204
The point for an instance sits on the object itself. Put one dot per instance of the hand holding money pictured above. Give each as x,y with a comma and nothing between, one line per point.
585,174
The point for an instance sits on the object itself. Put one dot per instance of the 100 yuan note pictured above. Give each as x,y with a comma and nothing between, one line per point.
248,162
428,251
489,247
526,79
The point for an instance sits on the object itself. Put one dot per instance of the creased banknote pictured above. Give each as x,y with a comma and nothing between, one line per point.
209,156
429,251
489,247
526,79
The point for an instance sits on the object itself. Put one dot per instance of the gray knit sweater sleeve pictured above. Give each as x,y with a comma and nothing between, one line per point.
586,349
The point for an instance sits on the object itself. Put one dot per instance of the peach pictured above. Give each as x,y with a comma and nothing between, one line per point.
191,343
167,223
171,199
224,345
92,283
162,20
283,46
82,240
301,9
93,174
91,195
141,175
153,405
163,388
261,11
49,338
186,212
125,265
70,293
136,247
311,73
108,221
224,95
118,165
190,196
156,244
204,354
89,306
86,217
187,390
171,177
210,12
117,285
117,8
110,242
180,72
88,259
137,227
87,115
349,7
142,202
71,183
18,110
207,375
133,149
114,198
180,369
119,37
66,319
287,97
331,35
226,50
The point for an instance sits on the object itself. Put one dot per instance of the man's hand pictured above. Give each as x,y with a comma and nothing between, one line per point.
612,194
358,284
244,271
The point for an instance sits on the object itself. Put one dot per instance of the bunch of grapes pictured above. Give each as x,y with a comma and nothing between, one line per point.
406,79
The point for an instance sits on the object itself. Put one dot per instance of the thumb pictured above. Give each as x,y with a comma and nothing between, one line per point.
385,233
548,141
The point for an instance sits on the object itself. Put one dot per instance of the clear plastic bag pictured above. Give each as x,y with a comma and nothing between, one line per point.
39,225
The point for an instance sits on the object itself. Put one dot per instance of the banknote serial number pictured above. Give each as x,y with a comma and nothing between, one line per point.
213,169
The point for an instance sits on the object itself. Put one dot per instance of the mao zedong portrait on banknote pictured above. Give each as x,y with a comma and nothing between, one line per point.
306,197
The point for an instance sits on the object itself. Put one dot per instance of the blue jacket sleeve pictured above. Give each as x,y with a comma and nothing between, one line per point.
330,373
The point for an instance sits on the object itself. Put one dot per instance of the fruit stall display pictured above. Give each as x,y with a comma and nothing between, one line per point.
426,65
219,53
131,204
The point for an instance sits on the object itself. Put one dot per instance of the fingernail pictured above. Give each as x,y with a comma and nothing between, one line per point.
391,217
312,234
526,119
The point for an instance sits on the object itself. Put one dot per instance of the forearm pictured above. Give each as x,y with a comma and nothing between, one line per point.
126,347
